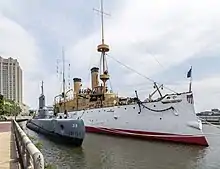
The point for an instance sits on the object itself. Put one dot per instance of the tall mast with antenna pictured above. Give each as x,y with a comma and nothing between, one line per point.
42,88
64,84
102,21
69,76
103,49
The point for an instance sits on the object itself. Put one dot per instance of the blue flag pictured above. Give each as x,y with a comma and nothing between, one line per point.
189,74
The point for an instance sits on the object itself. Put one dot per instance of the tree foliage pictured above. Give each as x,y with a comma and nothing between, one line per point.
9,107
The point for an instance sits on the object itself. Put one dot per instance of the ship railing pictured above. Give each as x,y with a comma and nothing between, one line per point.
31,157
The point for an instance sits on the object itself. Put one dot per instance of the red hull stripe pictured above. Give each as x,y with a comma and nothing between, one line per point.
189,139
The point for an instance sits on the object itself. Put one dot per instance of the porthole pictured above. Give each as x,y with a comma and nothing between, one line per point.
62,127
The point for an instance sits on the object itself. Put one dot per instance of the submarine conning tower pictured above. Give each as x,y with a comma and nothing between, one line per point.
76,86
41,101
42,98
94,77
41,109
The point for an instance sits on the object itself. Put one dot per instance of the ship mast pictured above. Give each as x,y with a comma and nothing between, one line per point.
42,88
103,49
64,84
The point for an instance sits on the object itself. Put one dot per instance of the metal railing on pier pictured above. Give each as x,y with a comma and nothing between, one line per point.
31,157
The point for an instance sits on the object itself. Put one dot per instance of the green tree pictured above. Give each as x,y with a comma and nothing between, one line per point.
1,105
9,107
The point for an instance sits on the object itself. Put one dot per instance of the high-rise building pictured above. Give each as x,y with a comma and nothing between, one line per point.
11,79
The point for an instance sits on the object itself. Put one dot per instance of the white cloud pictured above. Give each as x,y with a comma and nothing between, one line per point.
173,31
17,43
17,40
206,92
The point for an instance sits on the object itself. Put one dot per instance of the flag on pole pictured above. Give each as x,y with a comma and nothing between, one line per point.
189,74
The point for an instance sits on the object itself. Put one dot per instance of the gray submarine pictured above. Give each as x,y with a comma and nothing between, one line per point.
71,131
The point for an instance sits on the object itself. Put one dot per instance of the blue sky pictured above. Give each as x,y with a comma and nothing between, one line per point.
177,34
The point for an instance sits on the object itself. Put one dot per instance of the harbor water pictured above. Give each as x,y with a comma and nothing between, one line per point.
107,152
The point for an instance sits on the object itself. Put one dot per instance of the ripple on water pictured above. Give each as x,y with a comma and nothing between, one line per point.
101,152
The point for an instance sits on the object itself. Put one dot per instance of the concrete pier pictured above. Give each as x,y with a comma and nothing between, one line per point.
8,152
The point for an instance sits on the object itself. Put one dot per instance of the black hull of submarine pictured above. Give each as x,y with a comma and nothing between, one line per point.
65,131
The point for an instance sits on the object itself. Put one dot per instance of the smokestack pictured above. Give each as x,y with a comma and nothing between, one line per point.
77,85
94,77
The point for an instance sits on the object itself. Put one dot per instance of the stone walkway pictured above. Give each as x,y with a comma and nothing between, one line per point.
8,153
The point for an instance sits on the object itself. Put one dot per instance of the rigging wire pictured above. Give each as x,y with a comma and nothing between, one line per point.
97,64
59,73
110,83
139,73
69,76
57,68
100,64
157,60
89,67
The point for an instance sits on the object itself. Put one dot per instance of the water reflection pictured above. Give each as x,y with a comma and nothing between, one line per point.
121,153
99,151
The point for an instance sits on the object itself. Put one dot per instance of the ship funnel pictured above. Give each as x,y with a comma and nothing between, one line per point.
77,85
94,76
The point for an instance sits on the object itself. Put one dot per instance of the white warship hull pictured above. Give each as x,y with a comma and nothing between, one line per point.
172,118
